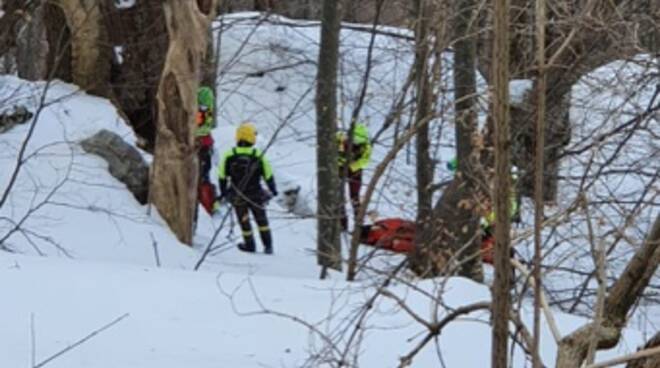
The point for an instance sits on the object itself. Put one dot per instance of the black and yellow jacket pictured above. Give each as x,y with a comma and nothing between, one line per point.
242,167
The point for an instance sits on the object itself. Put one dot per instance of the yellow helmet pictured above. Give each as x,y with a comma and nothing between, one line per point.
246,132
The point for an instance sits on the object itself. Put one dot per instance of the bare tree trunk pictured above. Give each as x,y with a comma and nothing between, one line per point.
538,179
328,241
210,66
173,188
32,48
466,129
15,12
453,229
502,190
17,29
90,52
141,35
58,35
424,165
43,47
622,296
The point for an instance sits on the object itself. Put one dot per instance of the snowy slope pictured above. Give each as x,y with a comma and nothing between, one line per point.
76,208
179,318
98,242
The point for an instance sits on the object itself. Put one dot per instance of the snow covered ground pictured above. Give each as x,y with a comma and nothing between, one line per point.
180,318
84,252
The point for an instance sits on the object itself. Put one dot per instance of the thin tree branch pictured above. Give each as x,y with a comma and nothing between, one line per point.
81,341
626,358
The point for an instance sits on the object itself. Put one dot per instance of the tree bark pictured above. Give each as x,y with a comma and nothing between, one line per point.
621,298
540,12
43,46
58,35
502,190
16,31
328,231
141,33
173,188
210,65
453,229
32,48
16,11
91,55
650,362
67,39
424,165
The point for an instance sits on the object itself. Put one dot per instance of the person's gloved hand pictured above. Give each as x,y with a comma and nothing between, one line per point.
266,196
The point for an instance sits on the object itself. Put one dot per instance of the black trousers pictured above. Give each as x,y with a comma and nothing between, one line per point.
204,155
354,182
243,207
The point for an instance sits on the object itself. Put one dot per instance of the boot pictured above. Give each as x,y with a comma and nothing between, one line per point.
246,248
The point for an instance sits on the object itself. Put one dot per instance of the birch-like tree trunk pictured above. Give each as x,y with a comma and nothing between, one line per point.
328,231
501,195
173,187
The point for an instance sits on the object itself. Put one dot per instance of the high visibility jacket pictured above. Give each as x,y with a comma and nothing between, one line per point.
360,155
489,219
205,123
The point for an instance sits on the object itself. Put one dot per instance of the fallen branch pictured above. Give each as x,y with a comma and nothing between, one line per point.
544,302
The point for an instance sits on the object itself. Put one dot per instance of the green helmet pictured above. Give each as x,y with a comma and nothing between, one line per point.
452,164
205,97
360,134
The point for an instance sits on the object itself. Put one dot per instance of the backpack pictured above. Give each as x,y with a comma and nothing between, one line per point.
244,170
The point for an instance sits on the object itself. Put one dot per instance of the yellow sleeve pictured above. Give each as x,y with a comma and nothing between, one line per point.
363,161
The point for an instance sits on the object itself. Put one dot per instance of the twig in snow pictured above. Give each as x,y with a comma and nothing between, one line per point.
81,341
33,342
209,246
154,243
